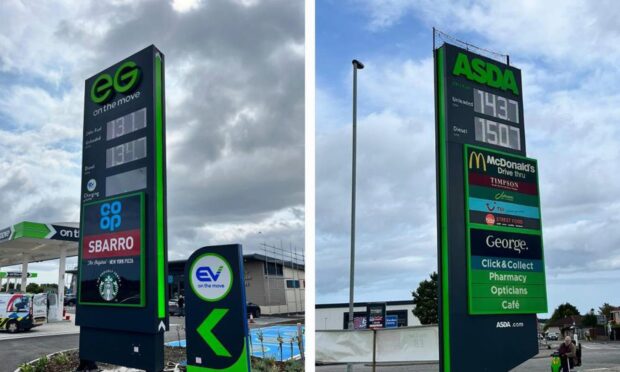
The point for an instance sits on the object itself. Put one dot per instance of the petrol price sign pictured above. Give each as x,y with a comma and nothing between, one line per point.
490,249
122,300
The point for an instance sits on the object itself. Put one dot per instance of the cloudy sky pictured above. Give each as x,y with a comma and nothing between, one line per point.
568,55
234,104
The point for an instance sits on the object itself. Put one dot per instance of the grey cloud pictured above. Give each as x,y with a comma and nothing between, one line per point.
235,113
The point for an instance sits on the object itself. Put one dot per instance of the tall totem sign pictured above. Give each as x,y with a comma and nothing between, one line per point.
122,304
490,246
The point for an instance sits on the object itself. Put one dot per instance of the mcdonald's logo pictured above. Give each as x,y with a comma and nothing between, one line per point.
479,160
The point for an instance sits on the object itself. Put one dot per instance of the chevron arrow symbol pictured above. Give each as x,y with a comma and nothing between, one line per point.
205,330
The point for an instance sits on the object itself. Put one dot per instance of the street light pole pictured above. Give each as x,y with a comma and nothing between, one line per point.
357,65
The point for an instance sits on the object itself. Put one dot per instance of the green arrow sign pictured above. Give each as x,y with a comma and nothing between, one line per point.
205,330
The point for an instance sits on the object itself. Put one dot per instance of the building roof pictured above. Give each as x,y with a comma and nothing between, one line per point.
363,304
254,257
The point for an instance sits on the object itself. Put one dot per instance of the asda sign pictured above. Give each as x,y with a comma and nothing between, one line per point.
485,73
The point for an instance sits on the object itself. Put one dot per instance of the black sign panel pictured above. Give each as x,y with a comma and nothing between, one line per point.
123,253
66,233
215,310
478,102
376,315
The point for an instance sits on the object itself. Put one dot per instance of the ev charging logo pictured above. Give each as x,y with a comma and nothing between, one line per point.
110,215
205,274
91,185
211,277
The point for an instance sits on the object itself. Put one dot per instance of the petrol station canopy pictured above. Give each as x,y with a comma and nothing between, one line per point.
33,242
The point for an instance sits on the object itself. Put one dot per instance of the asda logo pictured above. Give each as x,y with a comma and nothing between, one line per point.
485,73
105,86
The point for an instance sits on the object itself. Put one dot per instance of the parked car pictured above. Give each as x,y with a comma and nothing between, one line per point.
253,309
70,300
173,307
552,336
21,312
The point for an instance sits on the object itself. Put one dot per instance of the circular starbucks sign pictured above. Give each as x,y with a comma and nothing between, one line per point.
108,285
211,277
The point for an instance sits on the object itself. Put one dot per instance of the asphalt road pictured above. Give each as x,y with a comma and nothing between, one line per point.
13,353
26,346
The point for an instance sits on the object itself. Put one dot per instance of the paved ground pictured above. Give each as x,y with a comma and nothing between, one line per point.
596,357
23,347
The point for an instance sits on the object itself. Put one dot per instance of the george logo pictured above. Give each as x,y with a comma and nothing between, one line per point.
490,219
517,245
125,78
110,215
108,284
91,185
480,161
211,277
485,73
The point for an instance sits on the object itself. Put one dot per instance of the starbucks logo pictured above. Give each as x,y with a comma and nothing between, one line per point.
108,284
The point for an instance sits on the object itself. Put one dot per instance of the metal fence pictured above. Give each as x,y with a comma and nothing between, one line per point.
388,345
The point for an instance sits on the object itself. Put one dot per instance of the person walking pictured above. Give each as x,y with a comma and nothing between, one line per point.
568,353
181,303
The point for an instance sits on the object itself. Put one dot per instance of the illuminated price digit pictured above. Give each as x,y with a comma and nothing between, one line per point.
491,132
502,108
503,135
515,104
517,132
489,102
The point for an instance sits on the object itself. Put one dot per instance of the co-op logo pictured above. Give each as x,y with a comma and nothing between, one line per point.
125,79
110,215
211,277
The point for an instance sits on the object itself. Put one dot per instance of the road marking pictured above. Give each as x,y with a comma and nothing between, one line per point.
32,335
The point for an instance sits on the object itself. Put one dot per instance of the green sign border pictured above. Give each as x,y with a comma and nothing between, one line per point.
469,226
142,249
443,201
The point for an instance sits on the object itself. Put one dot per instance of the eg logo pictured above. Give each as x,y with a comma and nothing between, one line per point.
205,274
110,215
125,78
